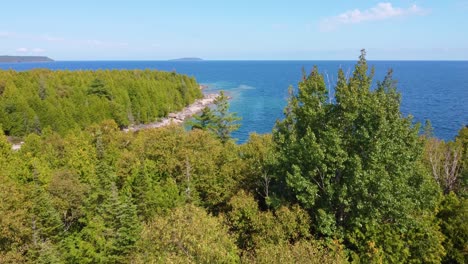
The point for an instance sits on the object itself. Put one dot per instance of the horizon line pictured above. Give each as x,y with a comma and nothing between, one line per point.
220,60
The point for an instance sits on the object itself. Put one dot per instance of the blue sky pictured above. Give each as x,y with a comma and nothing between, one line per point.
235,30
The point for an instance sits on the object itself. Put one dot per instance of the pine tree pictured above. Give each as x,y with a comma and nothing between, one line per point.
225,122
218,120
204,121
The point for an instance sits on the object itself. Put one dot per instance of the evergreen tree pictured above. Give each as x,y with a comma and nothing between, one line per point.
204,121
225,122
218,120
111,225
355,165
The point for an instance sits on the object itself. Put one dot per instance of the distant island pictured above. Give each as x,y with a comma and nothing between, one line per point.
187,59
7,58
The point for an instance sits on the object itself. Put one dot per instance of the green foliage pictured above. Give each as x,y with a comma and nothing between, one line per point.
344,178
446,163
204,121
186,235
111,220
258,165
280,236
98,88
110,233
204,169
225,122
218,120
15,229
300,252
355,165
64,100
68,195
462,141
454,225
253,228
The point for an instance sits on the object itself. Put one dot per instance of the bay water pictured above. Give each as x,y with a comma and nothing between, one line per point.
434,90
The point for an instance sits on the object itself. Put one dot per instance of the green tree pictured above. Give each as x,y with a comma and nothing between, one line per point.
68,195
98,87
218,120
462,140
110,222
186,235
454,225
225,122
204,121
355,165
253,228
279,236
447,162
15,228
258,166
301,252
152,196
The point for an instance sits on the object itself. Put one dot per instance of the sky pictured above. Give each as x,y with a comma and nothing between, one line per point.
235,30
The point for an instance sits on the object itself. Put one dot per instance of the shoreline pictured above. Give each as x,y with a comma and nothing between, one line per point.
171,119
180,116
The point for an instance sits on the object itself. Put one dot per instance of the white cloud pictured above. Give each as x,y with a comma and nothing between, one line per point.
22,50
381,11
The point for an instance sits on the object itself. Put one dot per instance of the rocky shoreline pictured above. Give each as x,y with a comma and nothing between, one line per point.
178,117
172,118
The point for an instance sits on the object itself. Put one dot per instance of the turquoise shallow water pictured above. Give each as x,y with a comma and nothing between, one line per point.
435,90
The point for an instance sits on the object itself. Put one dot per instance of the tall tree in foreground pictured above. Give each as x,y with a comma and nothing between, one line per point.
355,165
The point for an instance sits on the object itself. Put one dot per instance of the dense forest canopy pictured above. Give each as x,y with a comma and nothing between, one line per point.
31,101
343,180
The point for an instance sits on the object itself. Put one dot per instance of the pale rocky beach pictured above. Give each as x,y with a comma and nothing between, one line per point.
178,117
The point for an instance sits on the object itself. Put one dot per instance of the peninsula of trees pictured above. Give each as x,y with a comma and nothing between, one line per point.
347,179
11,59
65,100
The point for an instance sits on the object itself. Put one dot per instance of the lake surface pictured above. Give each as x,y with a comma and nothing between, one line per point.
434,90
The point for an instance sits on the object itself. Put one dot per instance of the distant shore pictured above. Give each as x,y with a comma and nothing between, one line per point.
17,59
187,59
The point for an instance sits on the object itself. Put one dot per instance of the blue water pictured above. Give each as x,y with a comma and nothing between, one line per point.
435,90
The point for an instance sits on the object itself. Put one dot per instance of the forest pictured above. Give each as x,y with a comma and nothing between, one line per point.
73,100
347,179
